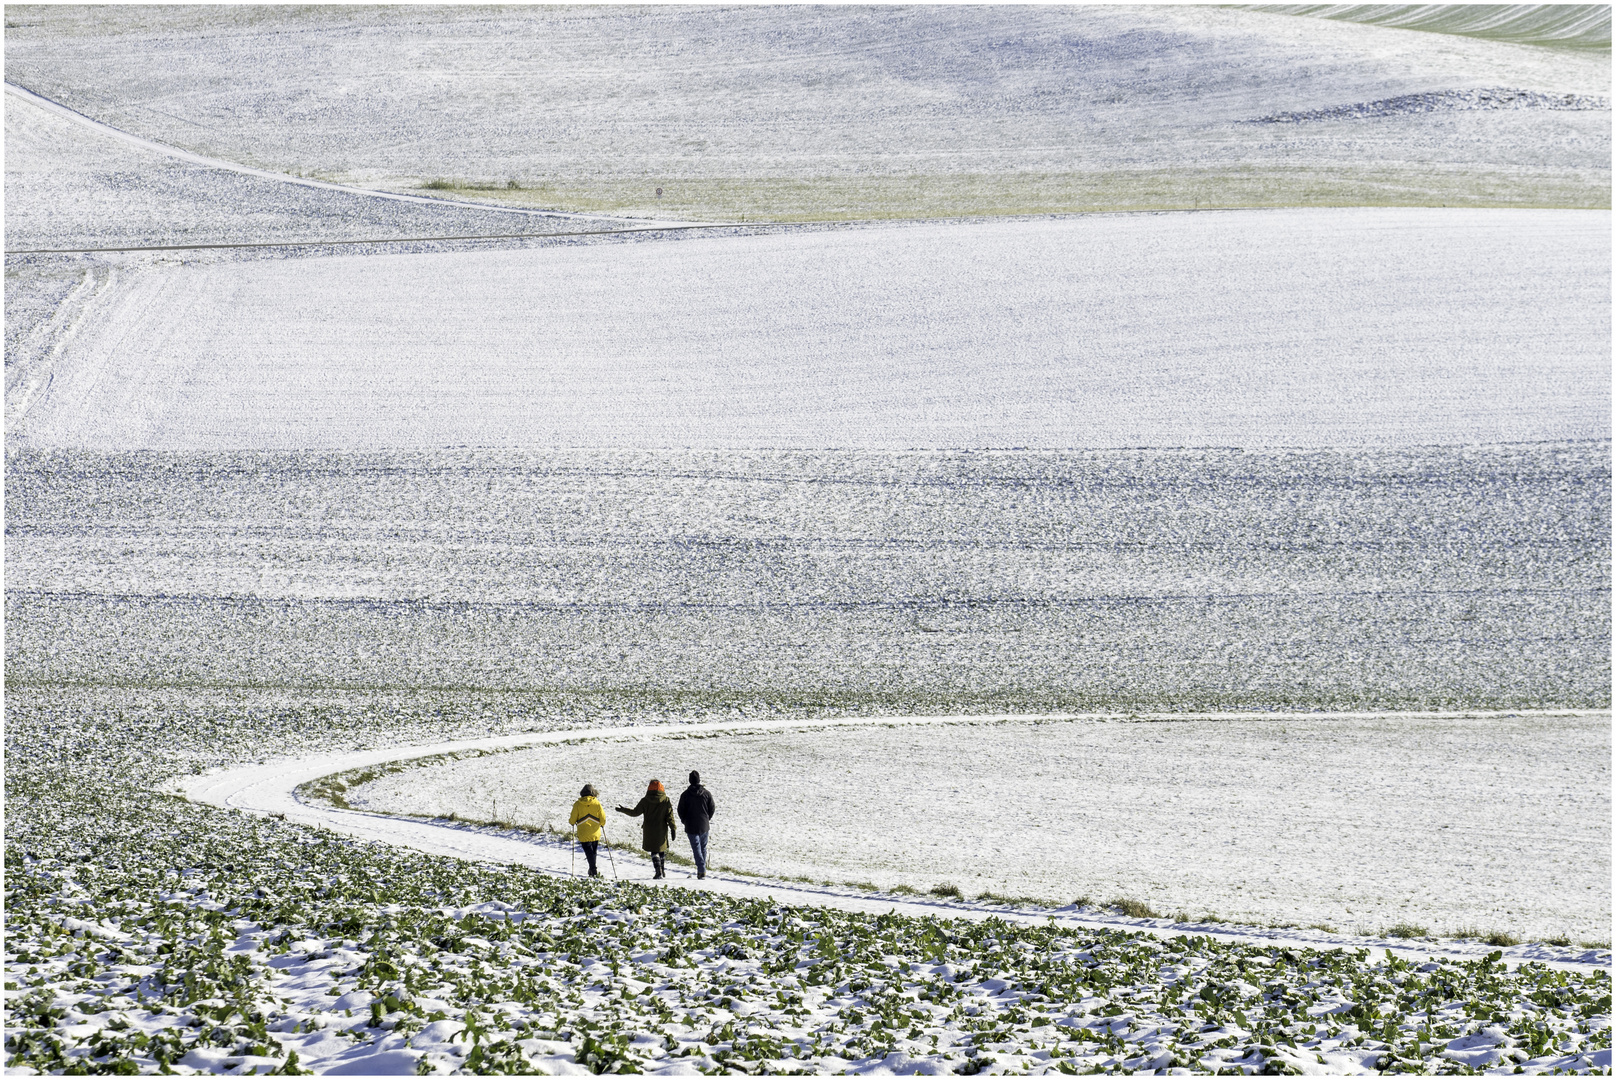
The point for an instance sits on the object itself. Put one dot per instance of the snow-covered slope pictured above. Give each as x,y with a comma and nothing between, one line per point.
836,111
294,538
1474,577
1490,821
1564,26
1256,328
73,184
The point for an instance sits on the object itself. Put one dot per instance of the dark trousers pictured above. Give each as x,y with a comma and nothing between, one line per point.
590,847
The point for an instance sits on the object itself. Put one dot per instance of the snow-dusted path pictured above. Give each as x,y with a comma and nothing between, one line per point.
270,788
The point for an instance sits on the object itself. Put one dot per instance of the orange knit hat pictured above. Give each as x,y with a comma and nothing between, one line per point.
656,785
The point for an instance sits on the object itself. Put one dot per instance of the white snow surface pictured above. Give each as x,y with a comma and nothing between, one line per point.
1249,328
1501,822
662,94
270,788
72,183
45,140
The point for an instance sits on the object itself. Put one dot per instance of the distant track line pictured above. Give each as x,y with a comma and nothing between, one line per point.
180,154
398,240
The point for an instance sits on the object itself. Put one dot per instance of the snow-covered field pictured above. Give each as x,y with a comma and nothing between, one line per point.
1430,578
151,930
1571,26
264,503
73,184
1252,328
1446,823
397,969
838,112
315,790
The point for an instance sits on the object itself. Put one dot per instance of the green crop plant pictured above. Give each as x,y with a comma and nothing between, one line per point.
196,913
1134,909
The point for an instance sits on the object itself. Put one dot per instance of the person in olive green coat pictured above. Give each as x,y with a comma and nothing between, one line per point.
657,828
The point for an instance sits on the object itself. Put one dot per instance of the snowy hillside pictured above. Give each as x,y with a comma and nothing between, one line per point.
1563,26
1472,577
1255,329
345,422
841,112
71,184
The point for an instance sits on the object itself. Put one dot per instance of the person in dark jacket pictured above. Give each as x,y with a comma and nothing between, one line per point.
696,815
657,828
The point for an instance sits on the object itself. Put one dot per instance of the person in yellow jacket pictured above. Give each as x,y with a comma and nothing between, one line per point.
589,818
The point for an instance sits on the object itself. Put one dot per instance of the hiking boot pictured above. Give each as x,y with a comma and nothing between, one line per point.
700,874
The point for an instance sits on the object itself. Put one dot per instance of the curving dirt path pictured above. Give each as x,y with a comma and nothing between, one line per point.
270,788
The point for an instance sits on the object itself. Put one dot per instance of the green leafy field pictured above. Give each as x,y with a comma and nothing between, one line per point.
145,933
169,943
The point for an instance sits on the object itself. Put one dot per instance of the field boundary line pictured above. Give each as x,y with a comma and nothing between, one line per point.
395,240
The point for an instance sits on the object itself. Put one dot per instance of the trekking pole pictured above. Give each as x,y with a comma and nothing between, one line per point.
609,854
574,871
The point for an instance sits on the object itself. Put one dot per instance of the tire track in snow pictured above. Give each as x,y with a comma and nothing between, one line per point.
47,341
270,788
